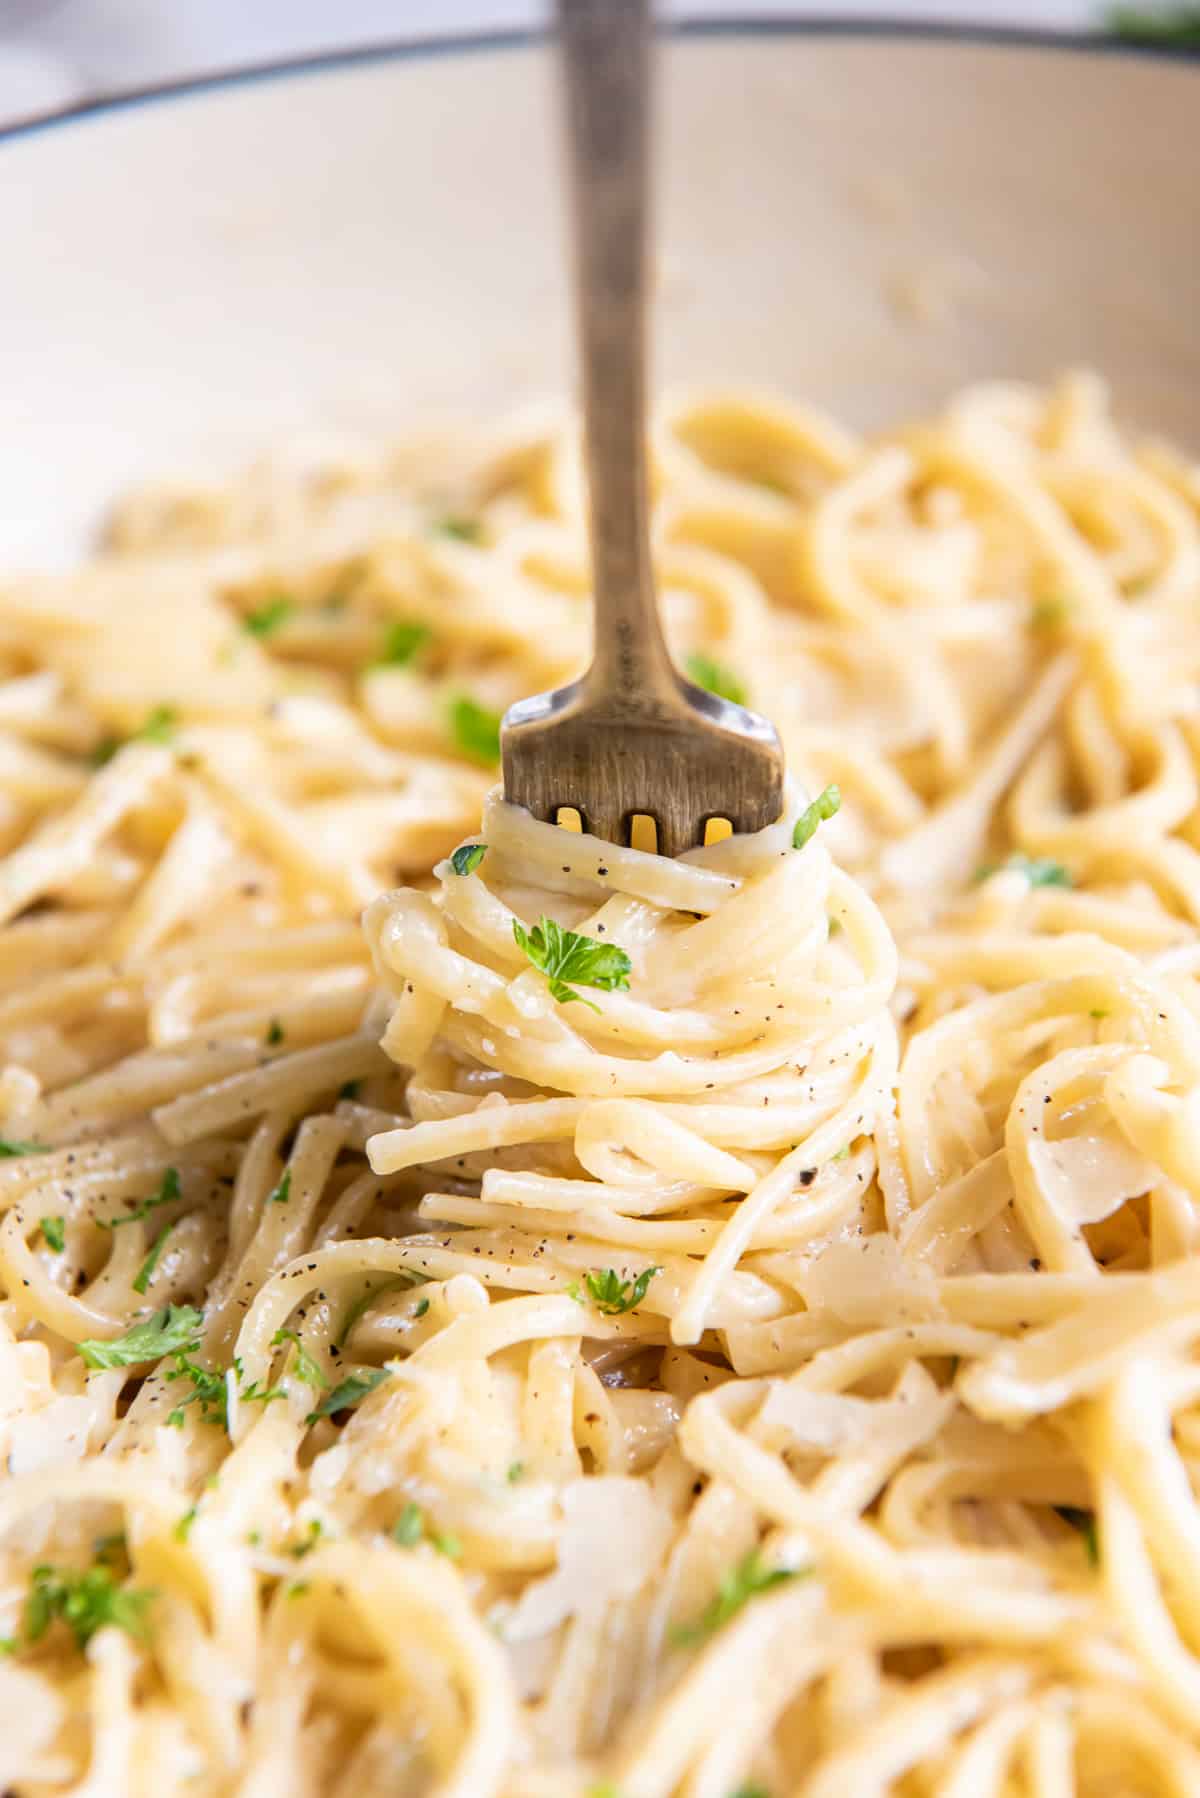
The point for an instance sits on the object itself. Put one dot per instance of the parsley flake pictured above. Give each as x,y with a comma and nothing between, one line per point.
563,956
349,1392
714,677
1039,871
12,1146
173,1328
612,1295
467,857
210,1391
306,1368
145,1272
516,1472
349,1089
183,1528
453,524
167,1193
85,1601
307,1543
825,805
404,639
475,729
274,1034
279,1195
54,1233
409,1527
1049,614
269,618
737,1587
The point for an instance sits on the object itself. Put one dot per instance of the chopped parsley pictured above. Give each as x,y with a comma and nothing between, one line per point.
475,729
349,1089
453,524
714,677
1176,27
306,1368
824,806
274,1034
145,1273
279,1195
183,1528
563,956
307,1543
86,1601
421,1308
467,857
403,639
54,1233
737,1587
750,1791
172,1329
269,618
209,1390
12,1146
158,726
1038,871
409,1529
1098,1012
1085,1523
612,1295
516,1472
167,1193
349,1392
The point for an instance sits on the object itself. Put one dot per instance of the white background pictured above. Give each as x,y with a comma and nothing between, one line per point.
53,52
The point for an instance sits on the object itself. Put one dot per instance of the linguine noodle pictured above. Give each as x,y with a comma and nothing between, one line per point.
602,1326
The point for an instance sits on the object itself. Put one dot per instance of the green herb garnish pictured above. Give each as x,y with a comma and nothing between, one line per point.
85,1601
12,1146
54,1233
714,677
169,1330
403,639
145,1273
421,1307
307,1543
516,1472
279,1195
475,729
1038,871
467,857
306,1368
274,1034
738,1586
1085,1523
269,618
167,1193
210,1390
612,1295
563,956
349,1089
158,726
453,524
183,1528
824,806
409,1527
349,1392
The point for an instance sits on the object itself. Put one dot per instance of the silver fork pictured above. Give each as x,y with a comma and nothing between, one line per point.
631,738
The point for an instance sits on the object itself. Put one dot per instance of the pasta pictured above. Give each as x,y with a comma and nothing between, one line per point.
493,1313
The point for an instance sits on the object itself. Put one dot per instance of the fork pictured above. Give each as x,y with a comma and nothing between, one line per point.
631,739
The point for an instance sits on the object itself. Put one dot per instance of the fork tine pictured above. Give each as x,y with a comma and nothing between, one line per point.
603,819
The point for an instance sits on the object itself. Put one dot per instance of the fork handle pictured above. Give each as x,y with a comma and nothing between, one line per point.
605,48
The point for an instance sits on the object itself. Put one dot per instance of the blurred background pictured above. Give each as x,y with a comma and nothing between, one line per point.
56,53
